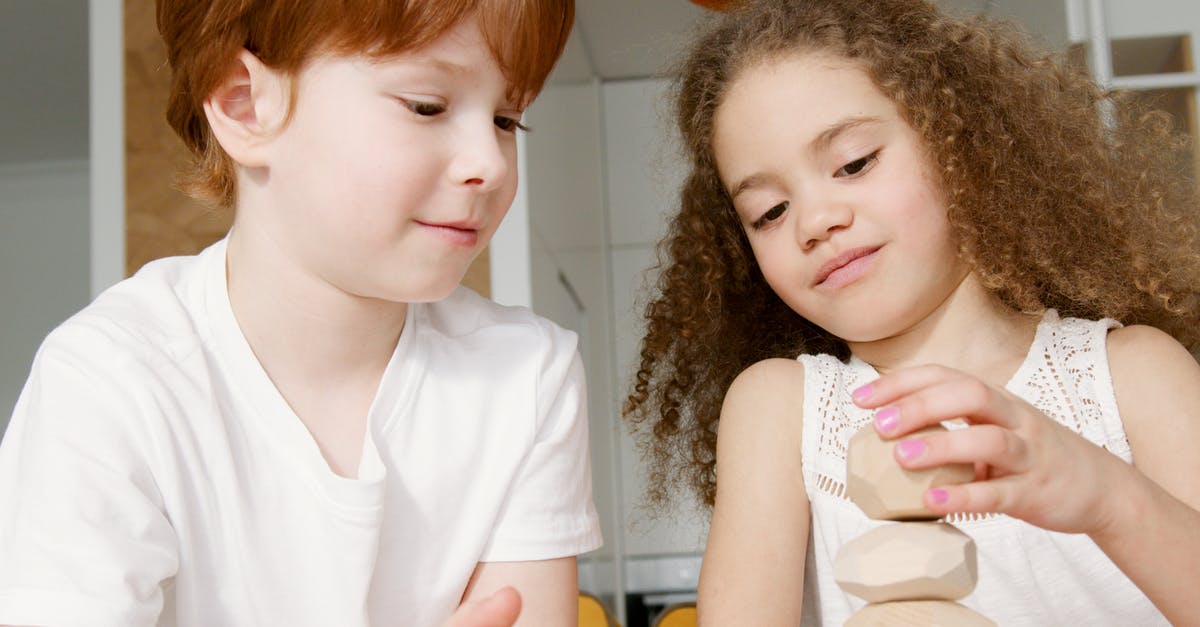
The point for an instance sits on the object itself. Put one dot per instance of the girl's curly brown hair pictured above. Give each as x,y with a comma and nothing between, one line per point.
1060,195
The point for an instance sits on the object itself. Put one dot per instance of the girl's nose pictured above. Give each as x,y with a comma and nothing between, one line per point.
819,221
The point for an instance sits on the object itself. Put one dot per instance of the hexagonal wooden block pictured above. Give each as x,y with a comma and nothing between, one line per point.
908,561
918,614
886,491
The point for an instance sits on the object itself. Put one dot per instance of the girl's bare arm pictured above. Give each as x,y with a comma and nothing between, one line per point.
753,569
1153,528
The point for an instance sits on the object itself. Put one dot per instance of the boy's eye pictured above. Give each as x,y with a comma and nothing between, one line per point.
508,125
424,109
771,215
858,166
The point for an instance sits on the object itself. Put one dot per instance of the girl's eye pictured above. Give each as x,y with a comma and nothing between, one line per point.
858,166
424,109
508,125
771,215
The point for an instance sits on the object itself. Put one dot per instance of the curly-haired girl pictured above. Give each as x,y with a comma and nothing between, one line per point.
941,222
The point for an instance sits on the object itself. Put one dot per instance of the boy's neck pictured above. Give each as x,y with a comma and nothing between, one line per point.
972,331
301,328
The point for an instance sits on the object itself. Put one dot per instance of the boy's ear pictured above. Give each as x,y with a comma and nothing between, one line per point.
247,109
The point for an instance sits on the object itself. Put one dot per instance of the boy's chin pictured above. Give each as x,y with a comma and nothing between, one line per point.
427,293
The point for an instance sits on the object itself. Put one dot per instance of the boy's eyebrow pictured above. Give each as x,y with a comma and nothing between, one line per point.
448,67
819,144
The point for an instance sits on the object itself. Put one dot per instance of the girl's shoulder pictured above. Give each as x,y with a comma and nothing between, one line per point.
1142,341
770,389
1156,382
1151,372
769,374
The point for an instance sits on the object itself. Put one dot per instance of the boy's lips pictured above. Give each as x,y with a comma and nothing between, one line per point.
461,233
845,267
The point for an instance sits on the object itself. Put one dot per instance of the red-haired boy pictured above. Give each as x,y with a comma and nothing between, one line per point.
309,423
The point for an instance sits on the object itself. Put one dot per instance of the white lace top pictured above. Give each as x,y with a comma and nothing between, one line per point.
1027,576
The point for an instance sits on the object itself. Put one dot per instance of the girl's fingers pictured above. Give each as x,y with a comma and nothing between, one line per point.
894,385
998,448
980,497
958,397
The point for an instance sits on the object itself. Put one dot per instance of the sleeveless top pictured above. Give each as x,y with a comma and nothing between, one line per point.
1027,575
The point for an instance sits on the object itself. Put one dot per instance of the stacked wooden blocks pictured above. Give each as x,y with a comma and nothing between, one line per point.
911,571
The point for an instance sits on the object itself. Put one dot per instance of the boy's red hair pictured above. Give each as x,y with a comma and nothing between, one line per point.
204,38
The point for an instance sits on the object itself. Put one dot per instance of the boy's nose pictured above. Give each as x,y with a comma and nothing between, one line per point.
480,162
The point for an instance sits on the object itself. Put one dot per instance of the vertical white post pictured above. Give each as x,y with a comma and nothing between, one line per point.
1101,53
510,266
1101,50
106,142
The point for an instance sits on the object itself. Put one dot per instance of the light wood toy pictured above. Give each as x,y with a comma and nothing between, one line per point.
908,561
910,571
918,614
885,490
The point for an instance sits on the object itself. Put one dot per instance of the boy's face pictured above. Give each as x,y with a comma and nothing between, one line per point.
392,175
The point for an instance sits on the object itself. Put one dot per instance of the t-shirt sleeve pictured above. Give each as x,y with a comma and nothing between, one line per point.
549,511
83,536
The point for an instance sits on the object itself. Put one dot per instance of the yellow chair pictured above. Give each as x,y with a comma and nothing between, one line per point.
678,615
592,612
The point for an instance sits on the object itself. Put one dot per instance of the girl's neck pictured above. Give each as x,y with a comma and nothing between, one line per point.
970,331
300,327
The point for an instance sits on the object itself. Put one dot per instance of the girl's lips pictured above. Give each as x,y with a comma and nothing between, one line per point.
846,267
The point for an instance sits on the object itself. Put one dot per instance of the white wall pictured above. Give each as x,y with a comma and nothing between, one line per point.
1152,17
644,171
568,243
44,261
601,176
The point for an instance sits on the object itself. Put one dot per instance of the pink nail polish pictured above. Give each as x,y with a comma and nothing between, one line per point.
886,419
910,449
862,393
939,496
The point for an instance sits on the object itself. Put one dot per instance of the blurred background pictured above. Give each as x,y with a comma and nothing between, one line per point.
86,162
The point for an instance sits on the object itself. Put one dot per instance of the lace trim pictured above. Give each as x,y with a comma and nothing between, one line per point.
1065,375
831,486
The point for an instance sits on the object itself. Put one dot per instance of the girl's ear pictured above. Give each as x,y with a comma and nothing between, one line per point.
247,109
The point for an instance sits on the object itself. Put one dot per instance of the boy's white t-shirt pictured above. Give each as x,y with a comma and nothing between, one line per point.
152,474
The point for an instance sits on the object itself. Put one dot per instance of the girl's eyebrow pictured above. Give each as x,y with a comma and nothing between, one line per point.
823,140
750,182
819,144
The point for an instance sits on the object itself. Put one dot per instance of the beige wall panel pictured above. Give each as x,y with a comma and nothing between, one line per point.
160,221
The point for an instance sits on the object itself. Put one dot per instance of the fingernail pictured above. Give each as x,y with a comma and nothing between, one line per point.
910,449
861,394
938,495
886,419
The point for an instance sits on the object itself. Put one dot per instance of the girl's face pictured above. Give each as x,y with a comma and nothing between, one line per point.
832,188
393,174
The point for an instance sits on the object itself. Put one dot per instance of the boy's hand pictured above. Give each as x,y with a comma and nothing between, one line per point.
499,610
1026,465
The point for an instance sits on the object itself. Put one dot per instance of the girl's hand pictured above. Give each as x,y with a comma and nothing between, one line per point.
1026,465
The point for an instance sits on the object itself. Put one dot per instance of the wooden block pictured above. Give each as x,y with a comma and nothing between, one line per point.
908,561
918,614
886,491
